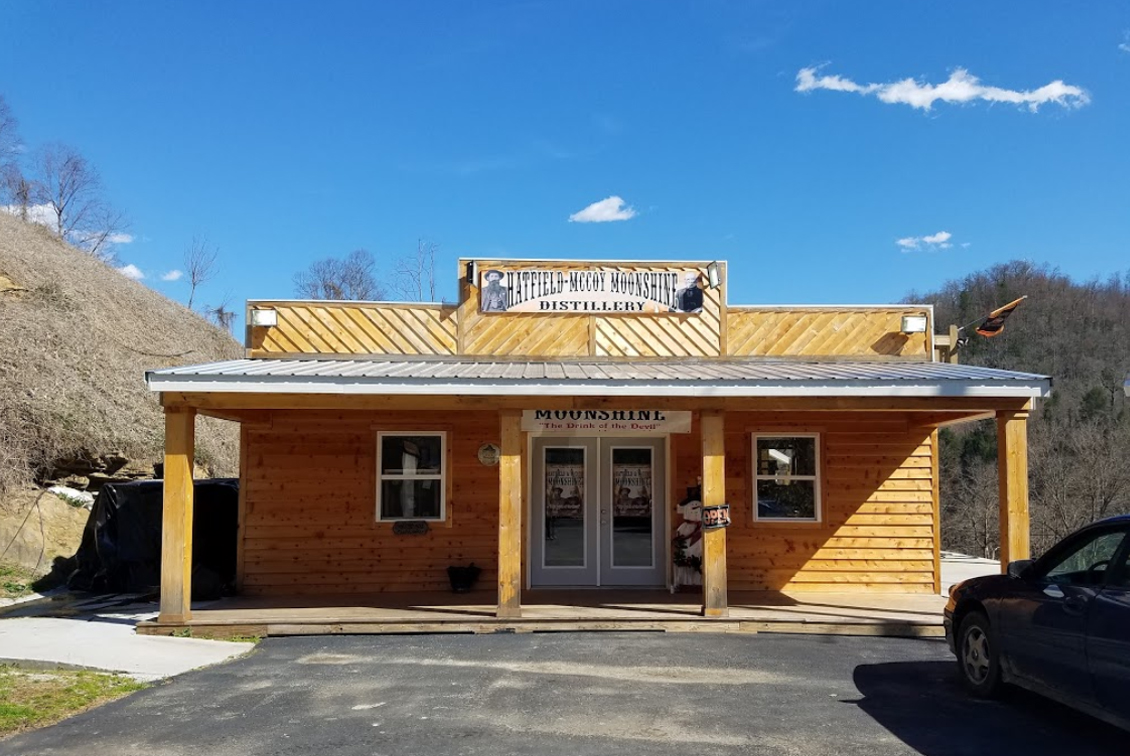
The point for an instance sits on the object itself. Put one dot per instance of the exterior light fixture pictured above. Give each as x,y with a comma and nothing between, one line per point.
913,324
473,273
264,318
714,275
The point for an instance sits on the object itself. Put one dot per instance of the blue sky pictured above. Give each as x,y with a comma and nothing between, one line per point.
287,132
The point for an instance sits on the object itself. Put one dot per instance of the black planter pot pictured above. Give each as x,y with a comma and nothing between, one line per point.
463,578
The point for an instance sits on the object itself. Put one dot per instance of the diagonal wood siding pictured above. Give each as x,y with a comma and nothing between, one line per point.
365,328
356,328
825,332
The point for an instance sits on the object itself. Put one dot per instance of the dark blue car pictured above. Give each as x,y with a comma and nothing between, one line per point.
1059,626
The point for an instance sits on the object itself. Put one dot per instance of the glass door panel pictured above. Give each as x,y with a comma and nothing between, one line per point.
632,508
564,496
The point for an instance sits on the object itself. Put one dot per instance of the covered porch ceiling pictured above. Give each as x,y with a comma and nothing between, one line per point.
940,393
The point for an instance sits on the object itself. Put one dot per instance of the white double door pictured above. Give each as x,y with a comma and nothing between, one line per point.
597,512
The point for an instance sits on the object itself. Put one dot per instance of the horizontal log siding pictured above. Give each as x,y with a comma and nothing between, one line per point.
877,530
310,488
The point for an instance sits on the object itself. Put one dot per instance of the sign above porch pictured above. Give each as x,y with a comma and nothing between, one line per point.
606,421
605,292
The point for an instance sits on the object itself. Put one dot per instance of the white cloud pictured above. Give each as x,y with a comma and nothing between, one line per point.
610,209
1125,45
172,275
44,215
961,86
131,271
940,240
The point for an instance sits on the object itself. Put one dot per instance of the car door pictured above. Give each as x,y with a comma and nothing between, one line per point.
1044,621
1108,638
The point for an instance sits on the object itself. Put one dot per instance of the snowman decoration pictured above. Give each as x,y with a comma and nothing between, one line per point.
688,540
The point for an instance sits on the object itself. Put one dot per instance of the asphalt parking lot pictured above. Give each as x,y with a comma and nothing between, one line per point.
594,693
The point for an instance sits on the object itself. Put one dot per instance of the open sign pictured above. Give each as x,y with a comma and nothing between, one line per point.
717,516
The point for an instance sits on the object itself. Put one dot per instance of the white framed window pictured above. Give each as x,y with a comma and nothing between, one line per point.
786,477
410,475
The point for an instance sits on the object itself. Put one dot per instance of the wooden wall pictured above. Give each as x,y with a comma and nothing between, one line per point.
381,328
878,530
834,332
310,503
348,328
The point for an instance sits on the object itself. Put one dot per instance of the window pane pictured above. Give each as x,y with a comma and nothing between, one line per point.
564,507
410,499
1086,564
410,455
782,457
786,500
631,508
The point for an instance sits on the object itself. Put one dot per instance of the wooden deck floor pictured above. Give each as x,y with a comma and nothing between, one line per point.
557,611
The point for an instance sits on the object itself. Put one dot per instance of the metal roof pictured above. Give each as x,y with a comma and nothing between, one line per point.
593,377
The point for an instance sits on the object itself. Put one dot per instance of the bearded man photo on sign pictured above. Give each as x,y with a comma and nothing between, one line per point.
689,298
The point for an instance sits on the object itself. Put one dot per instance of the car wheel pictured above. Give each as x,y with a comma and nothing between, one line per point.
978,656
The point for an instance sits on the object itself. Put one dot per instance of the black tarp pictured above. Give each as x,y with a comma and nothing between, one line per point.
121,545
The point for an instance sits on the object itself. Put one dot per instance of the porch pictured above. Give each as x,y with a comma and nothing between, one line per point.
858,613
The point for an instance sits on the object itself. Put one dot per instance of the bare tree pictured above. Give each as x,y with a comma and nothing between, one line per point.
70,188
199,264
9,133
15,189
353,278
14,186
416,274
222,315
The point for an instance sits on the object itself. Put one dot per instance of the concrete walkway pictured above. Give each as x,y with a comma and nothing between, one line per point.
99,634
958,567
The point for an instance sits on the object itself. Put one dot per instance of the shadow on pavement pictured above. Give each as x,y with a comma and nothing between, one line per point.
922,704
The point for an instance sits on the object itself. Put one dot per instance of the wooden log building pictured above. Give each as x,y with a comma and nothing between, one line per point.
586,425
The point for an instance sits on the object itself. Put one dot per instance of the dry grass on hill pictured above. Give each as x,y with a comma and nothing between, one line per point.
76,337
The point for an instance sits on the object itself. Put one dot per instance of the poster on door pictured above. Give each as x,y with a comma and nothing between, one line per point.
631,490
564,490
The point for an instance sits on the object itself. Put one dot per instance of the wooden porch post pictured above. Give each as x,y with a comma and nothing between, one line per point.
714,600
176,522
1012,471
510,516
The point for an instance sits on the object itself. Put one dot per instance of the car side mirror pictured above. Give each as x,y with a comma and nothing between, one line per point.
1018,568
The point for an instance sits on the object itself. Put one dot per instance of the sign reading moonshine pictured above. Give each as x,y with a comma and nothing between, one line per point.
605,292
607,421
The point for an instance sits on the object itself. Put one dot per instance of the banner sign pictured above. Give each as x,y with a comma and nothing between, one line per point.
717,516
606,292
606,421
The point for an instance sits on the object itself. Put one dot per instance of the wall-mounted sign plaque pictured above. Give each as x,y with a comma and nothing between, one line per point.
604,292
410,527
717,516
607,421
489,455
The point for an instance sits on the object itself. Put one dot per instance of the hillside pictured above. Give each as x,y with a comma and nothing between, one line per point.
76,337
1078,333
